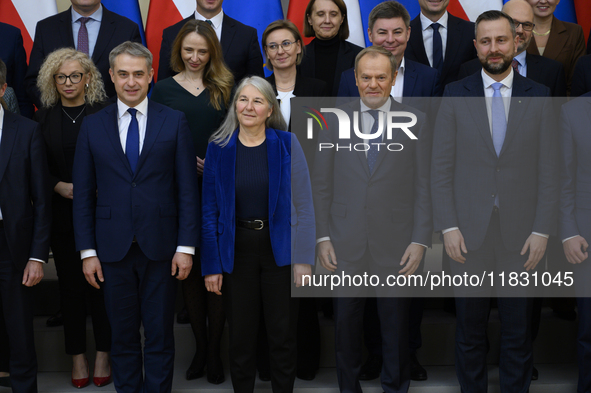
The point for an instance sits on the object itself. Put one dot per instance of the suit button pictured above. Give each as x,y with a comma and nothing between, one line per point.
498,170
133,185
493,195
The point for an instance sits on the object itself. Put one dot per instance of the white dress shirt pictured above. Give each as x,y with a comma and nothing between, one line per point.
398,87
216,22
123,121
428,35
92,26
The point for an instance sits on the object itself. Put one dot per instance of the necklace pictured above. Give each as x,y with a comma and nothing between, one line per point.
543,34
288,88
74,119
190,81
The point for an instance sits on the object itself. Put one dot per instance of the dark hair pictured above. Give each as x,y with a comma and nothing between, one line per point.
374,51
3,73
343,30
489,16
289,26
388,10
216,75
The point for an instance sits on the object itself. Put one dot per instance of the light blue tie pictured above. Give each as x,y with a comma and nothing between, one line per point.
499,121
372,153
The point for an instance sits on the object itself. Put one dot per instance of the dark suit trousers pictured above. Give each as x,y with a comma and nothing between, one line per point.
257,285
516,357
393,315
584,344
139,291
17,303
74,292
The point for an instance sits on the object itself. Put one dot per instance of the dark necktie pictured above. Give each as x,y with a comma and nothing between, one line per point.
83,36
515,65
132,144
210,22
372,153
437,48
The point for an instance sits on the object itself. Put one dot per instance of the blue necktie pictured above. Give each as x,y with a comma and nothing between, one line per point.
499,121
132,144
437,48
372,153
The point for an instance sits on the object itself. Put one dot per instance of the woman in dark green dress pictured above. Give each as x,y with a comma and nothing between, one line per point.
202,90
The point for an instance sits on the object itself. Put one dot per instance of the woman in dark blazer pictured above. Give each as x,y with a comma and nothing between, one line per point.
328,55
71,89
257,222
555,39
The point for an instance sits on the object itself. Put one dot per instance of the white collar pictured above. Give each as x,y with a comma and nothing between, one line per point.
96,15
142,108
216,21
426,22
488,81
383,108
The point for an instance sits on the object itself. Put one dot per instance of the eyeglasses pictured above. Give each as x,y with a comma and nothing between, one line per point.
527,26
286,45
60,79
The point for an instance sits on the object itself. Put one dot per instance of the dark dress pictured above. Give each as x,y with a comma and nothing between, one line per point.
60,135
201,306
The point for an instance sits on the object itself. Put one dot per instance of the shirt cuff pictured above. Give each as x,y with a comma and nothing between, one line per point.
449,230
87,253
541,234
37,260
186,250
568,238
419,244
323,239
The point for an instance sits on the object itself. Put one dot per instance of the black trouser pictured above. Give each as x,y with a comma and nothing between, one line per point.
257,285
74,292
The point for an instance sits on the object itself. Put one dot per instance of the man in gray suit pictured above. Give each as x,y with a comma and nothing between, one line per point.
494,189
373,215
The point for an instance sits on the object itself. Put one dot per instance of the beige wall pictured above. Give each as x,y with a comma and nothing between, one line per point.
63,5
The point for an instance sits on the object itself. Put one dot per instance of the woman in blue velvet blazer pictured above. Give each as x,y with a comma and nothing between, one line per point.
258,222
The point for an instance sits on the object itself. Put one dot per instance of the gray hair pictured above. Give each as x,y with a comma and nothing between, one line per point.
133,49
230,124
375,51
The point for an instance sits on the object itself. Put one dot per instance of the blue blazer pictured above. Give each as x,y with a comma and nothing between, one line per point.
291,212
419,81
158,205
13,54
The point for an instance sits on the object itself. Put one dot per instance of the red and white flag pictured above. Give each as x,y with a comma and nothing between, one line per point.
161,14
470,9
25,14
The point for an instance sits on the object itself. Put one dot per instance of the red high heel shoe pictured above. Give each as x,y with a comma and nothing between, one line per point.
82,382
102,381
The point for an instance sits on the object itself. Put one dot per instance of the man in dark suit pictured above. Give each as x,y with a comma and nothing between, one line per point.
13,54
355,197
494,191
25,221
582,77
540,69
389,28
575,219
445,48
136,209
240,43
87,26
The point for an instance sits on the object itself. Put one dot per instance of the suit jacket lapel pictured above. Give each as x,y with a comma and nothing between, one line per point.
416,40
533,71
228,175
394,106
453,35
9,129
153,127
410,78
65,28
105,33
355,106
308,67
274,162
518,107
556,40
111,128
228,32
477,108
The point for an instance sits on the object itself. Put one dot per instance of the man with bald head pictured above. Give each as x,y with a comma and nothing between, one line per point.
540,69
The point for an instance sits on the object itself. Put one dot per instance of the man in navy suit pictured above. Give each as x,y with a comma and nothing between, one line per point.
25,222
240,43
440,40
136,209
373,215
13,54
87,21
575,218
540,69
582,77
494,191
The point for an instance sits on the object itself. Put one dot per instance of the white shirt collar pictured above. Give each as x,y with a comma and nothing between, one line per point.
401,66
142,108
426,22
96,15
521,58
488,81
383,108
216,21
1,119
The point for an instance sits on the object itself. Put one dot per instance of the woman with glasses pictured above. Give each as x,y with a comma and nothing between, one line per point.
555,39
328,55
72,88
201,90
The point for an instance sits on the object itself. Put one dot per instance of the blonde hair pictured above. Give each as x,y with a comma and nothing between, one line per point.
95,92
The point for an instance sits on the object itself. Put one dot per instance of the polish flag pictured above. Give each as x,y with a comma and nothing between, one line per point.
162,14
25,14
470,9
583,15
